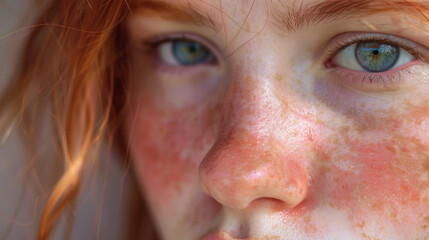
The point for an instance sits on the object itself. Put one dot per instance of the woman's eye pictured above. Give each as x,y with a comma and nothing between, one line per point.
184,53
372,56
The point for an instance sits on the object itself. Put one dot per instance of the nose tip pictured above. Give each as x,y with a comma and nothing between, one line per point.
238,173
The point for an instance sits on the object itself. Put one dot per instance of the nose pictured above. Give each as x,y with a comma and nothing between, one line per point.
260,153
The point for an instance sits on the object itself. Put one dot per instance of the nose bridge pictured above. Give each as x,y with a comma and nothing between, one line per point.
250,105
249,161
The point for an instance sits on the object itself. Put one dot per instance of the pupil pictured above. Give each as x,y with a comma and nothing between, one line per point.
375,52
193,48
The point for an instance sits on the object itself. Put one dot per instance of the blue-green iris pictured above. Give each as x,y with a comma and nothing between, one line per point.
189,52
376,56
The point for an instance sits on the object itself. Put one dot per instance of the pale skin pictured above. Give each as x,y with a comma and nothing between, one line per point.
274,138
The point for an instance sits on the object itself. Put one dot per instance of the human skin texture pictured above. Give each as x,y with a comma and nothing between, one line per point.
275,138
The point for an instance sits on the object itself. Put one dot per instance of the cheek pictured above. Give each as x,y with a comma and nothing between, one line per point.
379,174
375,181
167,148
385,178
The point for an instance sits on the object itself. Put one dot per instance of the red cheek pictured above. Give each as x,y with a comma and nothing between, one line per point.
161,175
168,147
387,179
156,148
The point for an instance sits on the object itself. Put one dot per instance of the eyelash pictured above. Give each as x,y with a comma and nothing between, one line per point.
154,42
369,78
341,45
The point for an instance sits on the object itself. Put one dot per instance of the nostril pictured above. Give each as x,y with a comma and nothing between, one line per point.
242,232
233,235
275,205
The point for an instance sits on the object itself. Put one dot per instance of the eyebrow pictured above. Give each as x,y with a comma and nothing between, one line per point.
293,18
183,12
290,17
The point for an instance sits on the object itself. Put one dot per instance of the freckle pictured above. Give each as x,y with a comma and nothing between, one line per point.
426,164
344,129
360,225
323,170
309,226
307,219
364,235
247,26
278,77
337,179
391,149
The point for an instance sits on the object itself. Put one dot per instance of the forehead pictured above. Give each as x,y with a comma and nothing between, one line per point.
289,15
217,13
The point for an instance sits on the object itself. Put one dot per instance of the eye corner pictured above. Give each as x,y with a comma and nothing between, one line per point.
330,63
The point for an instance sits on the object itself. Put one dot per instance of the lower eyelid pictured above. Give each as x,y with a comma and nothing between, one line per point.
397,79
178,71
182,91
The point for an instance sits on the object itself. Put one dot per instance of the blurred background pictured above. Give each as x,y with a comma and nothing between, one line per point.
100,210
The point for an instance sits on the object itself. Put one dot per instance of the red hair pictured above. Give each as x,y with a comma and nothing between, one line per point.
73,66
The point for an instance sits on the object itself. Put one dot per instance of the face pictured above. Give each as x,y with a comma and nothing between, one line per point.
274,120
